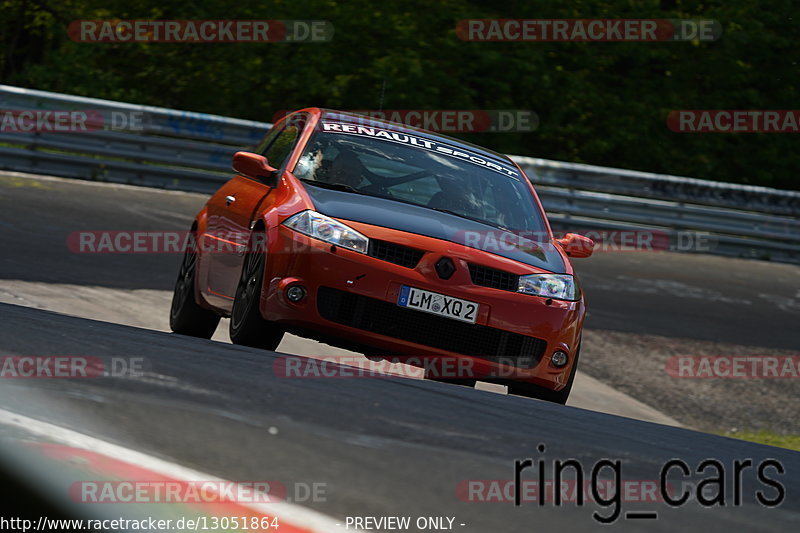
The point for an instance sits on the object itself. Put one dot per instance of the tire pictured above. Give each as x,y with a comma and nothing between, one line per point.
186,317
535,391
247,326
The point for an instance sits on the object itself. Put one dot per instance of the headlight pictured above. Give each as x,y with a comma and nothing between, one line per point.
326,229
558,286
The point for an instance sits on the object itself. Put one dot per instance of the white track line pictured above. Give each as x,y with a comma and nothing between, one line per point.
291,513
107,184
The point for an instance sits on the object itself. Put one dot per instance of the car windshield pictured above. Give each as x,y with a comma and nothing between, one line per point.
429,173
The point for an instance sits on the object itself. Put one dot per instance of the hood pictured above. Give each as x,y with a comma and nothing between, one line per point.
423,221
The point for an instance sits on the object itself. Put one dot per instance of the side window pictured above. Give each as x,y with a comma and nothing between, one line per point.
278,144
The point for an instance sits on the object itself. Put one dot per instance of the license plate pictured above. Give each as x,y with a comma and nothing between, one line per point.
438,304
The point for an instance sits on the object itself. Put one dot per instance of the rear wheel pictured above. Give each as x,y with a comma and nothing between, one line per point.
535,391
186,317
247,326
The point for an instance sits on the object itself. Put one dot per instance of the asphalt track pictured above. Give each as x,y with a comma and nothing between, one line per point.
383,446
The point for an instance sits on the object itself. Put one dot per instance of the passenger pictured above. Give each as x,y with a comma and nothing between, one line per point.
457,197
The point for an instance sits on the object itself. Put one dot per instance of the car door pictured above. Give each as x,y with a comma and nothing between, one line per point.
232,211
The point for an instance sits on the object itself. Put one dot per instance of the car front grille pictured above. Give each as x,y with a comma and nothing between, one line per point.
496,279
385,318
395,253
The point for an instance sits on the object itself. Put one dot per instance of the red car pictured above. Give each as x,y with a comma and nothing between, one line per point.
393,241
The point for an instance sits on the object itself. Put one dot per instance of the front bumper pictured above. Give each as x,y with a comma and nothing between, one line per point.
352,296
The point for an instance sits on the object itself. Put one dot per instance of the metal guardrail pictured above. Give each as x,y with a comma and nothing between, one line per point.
192,151
663,186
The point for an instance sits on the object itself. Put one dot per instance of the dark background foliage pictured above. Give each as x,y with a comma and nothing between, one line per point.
599,103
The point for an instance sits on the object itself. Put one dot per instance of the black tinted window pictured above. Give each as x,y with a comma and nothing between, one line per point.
431,174
279,143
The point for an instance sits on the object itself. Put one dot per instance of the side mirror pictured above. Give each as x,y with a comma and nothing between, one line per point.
576,245
254,166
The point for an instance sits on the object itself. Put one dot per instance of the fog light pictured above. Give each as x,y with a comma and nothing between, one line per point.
295,293
559,358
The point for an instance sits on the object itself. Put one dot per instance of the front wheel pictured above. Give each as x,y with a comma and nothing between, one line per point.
186,317
247,326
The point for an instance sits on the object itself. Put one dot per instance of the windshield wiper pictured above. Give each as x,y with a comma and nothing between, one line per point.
474,219
332,186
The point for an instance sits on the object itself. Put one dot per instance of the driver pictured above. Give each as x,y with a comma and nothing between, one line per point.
347,169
